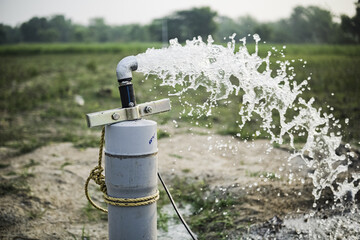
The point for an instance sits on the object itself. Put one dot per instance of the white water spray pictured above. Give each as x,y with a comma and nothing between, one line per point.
199,66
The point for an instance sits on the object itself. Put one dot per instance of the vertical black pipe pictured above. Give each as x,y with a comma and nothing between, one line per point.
127,94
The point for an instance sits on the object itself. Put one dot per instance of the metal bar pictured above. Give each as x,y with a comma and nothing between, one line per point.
123,114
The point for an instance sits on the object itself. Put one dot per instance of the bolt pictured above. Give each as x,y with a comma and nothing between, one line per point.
148,109
131,104
115,116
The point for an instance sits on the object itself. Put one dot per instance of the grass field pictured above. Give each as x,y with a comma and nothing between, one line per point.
39,84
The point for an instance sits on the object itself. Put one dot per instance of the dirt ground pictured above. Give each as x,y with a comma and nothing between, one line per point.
42,194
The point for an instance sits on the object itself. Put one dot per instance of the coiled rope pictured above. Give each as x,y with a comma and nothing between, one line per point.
98,177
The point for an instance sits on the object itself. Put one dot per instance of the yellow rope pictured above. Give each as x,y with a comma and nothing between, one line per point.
131,202
97,176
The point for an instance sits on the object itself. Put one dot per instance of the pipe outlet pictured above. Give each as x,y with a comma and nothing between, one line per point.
125,67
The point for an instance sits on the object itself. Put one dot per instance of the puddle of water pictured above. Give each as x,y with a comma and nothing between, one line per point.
176,230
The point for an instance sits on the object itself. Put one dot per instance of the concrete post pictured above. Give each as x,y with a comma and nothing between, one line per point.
131,172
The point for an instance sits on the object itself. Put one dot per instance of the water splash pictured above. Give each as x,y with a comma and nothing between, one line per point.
222,71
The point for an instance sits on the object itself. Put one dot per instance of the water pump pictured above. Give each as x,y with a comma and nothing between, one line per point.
129,111
130,182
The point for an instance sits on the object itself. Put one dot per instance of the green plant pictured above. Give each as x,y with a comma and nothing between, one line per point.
92,214
15,185
65,164
212,210
175,156
91,66
31,163
162,220
162,134
84,235
36,213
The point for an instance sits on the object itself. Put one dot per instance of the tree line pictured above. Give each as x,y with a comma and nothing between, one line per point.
305,25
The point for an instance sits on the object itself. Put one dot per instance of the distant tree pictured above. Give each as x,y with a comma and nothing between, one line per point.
9,34
31,31
138,33
226,27
241,26
311,24
265,30
185,24
3,37
197,22
282,32
247,25
130,32
305,25
56,28
351,26
48,35
80,33
98,30
155,29
119,33
62,26
177,28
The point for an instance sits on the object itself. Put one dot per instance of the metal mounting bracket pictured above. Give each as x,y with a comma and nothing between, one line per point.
124,114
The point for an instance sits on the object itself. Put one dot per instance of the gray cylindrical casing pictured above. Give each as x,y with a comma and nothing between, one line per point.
131,172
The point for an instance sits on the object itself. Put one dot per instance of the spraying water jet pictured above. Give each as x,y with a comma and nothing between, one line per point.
206,66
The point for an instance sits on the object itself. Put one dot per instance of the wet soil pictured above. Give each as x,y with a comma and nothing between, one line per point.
42,193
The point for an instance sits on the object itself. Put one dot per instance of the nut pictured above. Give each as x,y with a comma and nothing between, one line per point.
148,109
115,116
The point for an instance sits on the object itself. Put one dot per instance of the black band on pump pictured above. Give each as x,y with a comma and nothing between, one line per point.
127,95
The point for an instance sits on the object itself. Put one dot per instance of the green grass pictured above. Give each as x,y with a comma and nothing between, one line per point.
92,214
36,213
162,134
85,234
17,184
65,164
39,82
30,164
175,156
162,221
213,212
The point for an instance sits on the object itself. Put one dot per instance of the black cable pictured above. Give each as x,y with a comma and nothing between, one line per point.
176,209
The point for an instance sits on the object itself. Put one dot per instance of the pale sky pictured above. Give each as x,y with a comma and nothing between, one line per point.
116,12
